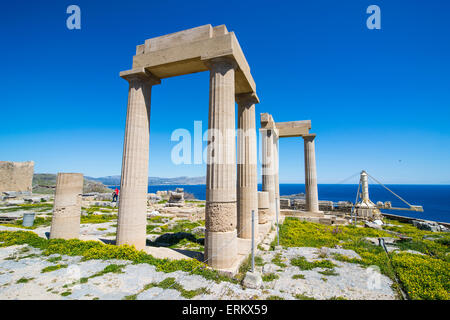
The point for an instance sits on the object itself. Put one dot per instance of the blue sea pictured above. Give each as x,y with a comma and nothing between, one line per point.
435,199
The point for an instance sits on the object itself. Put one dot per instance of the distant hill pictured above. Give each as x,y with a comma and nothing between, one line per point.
153,181
46,183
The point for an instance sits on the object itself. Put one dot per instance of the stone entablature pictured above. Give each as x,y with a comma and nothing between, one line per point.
271,131
189,50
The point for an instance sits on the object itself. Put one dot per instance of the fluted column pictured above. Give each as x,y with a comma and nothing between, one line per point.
220,210
268,181
247,187
276,169
132,218
312,199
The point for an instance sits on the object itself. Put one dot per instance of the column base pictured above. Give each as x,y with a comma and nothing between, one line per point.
221,249
244,246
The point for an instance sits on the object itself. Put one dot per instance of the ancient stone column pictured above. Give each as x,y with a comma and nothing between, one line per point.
220,210
263,207
268,181
247,186
276,169
312,199
67,206
132,218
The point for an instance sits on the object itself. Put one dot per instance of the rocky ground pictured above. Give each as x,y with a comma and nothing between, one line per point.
25,273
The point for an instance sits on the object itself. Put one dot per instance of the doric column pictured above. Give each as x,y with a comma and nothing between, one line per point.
268,181
67,206
220,210
276,169
312,199
132,219
247,186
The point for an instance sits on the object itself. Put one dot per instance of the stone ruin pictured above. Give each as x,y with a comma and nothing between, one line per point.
231,188
67,206
16,177
176,198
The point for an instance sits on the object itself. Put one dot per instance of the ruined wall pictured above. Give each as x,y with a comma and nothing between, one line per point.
16,176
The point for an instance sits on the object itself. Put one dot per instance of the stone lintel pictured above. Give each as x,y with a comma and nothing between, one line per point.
247,98
140,73
187,51
293,128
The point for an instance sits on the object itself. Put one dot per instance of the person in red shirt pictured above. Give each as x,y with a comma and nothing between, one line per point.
115,195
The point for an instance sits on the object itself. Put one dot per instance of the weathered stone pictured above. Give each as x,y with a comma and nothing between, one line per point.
369,224
220,209
247,187
132,218
176,199
16,176
252,280
312,198
67,206
427,225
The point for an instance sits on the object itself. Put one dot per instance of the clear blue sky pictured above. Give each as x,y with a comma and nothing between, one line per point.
378,99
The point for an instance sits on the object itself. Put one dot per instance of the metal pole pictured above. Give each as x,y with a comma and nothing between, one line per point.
253,240
276,210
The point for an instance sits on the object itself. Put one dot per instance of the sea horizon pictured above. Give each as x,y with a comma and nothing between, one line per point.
432,197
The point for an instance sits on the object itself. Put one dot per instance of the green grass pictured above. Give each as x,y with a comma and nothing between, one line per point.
31,206
67,293
274,298
298,276
270,277
329,272
24,280
337,298
98,218
302,296
112,268
259,261
38,222
54,259
303,264
277,260
170,283
53,268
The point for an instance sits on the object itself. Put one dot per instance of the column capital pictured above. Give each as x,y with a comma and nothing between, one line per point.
247,99
221,63
140,74
309,137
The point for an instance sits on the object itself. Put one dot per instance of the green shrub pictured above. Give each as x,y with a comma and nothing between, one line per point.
423,277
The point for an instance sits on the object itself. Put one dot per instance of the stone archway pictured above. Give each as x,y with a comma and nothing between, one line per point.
229,195
271,131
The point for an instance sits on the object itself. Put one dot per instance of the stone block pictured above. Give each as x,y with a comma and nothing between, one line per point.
252,280
16,176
